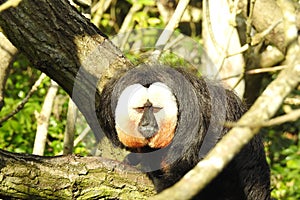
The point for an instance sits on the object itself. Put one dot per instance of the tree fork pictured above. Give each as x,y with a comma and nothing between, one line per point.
59,41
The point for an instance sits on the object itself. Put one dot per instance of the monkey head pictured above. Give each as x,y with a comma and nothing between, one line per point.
146,116
153,109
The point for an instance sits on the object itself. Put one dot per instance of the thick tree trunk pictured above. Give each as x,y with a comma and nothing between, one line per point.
62,43
69,177
70,50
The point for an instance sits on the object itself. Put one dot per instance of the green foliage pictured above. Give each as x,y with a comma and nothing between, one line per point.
146,17
283,149
285,174
18,133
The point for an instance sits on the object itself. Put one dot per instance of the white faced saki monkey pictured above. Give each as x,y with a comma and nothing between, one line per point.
169,119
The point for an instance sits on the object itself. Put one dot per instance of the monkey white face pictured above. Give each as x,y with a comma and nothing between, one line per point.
146,116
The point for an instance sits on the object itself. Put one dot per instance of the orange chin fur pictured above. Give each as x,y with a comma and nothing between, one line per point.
160,140
130,140
164,136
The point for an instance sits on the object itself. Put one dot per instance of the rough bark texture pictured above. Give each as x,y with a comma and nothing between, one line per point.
69,177
67,47
70,50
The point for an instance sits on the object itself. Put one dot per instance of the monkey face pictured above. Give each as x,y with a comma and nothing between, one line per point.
146,116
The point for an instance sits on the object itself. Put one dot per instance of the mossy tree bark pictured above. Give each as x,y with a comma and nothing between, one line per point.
62,43
69,177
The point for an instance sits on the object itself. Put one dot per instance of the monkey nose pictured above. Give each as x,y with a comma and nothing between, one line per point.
148,126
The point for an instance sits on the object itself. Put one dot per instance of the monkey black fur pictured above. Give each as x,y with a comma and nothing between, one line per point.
202,107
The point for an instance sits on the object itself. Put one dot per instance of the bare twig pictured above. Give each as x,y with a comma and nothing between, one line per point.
265,107
99,8
70,128
168,31
262,110
265,70
81,136
259,37
25,100
239,51
127,24
292,100
259,71
249,22
43,120
291,116
128,19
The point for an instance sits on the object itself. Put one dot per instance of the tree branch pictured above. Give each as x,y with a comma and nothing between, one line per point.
168,31
25,100
75,54
29,177
43,120
66,47
265,13
8,4
262,110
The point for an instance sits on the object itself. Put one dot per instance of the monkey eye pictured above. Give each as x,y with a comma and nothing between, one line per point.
141,109
156,109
